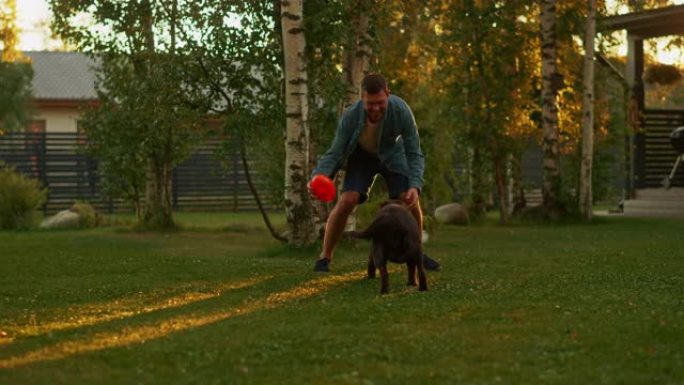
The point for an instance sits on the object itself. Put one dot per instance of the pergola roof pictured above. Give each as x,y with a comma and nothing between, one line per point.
647,24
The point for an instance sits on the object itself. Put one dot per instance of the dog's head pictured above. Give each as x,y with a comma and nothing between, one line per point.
398,202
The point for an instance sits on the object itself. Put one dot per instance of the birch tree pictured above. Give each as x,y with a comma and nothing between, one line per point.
585,186
356,65
551,83
358,53
297,204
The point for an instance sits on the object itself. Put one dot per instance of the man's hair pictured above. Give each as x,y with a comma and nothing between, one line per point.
373,83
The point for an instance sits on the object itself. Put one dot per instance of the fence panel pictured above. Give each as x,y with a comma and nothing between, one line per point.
58,160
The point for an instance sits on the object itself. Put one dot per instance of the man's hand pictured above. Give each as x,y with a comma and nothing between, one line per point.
311,191
411,197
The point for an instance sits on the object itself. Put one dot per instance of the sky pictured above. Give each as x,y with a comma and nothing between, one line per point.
33,20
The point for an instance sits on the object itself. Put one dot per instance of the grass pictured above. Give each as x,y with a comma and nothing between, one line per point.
221,303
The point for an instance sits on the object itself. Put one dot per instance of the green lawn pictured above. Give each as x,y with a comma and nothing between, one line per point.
221,303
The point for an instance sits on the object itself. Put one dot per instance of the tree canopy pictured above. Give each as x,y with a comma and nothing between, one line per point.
15,73
471,71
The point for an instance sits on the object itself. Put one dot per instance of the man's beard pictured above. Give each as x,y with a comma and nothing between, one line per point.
374,119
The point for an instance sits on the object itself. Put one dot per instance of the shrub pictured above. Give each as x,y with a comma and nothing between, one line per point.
86,212
20,197
663,74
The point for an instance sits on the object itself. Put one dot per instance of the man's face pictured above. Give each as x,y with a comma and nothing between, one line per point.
375,105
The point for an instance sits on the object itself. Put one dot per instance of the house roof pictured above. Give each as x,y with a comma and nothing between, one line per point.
62,75
647,24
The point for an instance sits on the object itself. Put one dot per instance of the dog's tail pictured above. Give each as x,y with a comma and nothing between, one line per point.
378,226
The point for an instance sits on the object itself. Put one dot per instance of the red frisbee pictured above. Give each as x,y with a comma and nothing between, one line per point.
323,188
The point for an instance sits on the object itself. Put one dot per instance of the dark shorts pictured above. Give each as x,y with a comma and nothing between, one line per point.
362,168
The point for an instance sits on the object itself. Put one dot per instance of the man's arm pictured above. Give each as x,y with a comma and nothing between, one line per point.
414,155
329,162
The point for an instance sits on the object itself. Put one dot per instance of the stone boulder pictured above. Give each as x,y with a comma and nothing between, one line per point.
452,214
62,220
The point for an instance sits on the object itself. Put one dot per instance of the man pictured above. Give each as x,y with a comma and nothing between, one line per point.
376,135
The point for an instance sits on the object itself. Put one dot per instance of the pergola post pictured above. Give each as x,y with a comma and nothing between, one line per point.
635,71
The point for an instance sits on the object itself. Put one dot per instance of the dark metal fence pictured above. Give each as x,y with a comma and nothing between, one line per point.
57,160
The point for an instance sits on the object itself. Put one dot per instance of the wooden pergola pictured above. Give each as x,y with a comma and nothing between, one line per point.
650,157
640,26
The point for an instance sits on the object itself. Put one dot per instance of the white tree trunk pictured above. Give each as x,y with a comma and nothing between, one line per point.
585,193
551,82
297,204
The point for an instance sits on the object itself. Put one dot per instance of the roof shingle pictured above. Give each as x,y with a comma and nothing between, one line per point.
62,75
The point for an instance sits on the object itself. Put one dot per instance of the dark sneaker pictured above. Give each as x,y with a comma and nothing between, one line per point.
431,264
322,264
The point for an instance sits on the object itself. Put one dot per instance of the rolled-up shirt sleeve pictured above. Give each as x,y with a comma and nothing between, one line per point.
331,160
414,156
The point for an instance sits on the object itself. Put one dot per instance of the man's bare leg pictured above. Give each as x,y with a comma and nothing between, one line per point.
337,221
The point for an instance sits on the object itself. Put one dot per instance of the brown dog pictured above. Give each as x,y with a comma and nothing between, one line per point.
395,237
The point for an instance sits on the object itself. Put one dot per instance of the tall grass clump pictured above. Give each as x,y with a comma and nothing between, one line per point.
20,198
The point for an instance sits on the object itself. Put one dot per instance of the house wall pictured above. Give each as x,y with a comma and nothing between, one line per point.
58,119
